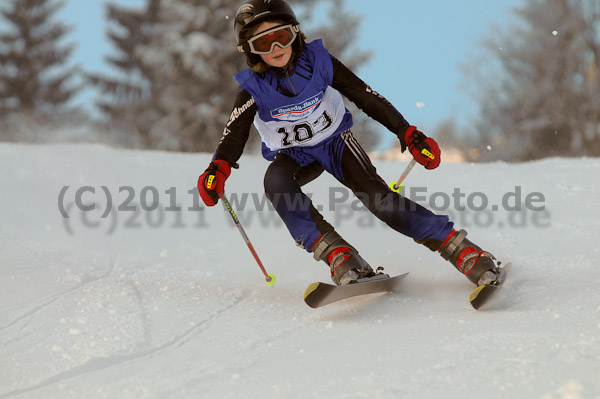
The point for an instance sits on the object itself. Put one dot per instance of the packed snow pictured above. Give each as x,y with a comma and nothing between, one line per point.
156,296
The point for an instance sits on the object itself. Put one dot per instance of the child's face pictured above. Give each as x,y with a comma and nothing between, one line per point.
279,57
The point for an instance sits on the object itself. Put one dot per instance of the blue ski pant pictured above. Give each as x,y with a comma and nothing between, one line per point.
343,157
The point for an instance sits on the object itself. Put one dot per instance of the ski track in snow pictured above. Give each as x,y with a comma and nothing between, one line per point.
166,312
97,364
35,309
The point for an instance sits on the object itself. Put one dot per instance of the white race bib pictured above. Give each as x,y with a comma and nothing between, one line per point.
303,123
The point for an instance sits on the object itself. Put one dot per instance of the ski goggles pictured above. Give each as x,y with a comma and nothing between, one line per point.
264,42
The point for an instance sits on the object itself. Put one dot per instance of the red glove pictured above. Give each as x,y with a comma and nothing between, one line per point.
211,183
424,149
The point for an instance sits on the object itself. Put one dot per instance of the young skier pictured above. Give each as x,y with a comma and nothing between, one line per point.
293,94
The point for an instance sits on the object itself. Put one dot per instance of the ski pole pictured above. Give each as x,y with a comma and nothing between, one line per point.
396,185
269,278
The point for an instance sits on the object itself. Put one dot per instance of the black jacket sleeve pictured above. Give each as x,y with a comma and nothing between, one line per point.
369,101
237,130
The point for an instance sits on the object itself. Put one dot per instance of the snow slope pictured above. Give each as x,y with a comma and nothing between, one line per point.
170,304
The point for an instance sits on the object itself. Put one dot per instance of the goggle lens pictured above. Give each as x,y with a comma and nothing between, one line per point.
264,43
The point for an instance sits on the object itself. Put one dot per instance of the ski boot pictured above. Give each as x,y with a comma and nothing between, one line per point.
480,267
344,261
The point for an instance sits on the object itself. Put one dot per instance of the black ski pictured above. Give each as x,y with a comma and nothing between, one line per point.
321,294
482,294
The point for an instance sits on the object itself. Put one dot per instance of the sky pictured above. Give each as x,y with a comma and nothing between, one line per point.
418,49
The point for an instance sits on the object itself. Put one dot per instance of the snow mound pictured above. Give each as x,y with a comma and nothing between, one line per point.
116,283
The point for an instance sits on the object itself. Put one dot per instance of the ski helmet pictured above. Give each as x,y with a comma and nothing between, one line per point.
252,13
